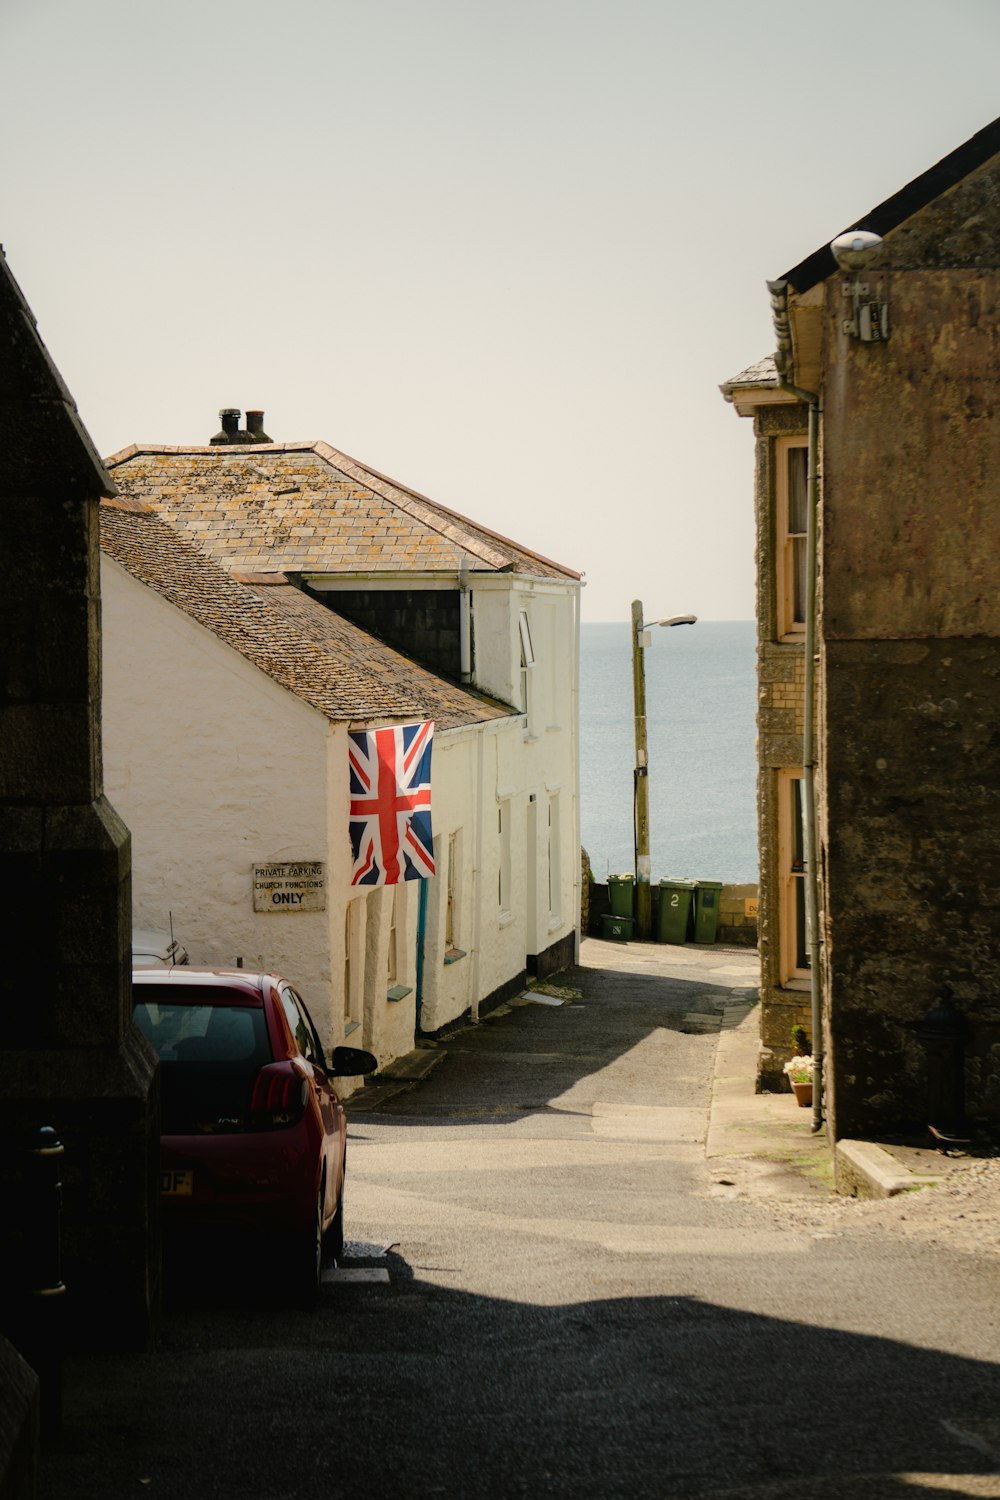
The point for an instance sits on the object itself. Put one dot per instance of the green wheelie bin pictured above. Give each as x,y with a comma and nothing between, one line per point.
675,910
620,892
706,910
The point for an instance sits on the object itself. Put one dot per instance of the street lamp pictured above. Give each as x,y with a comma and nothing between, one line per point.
643,900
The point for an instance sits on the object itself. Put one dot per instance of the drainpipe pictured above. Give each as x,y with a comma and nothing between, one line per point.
477,896
575,732
465,620
421,939
783,358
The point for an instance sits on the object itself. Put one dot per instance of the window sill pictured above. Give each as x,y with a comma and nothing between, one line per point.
553,729
351,1027
796,984
399,992
555,923
452,955
529,738
505,919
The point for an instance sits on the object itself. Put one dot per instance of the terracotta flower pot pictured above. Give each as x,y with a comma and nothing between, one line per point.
803,1093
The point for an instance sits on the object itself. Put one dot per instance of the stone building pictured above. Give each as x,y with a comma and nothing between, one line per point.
261,601
70,1058
878,438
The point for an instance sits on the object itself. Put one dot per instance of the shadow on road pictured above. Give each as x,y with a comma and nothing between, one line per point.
412,1389
627,1026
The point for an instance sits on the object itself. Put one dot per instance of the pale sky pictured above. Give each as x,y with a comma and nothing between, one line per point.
504,253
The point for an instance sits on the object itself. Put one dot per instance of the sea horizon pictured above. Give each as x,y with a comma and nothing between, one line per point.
701,734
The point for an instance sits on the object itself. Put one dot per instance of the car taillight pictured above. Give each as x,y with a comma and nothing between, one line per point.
279,1096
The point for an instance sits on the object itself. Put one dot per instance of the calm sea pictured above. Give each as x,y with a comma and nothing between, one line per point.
700,706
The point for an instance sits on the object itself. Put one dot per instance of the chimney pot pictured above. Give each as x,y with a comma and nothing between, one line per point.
229,416
255,427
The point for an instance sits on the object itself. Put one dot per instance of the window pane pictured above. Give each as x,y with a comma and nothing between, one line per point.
798,560
798,834
798,466
801,945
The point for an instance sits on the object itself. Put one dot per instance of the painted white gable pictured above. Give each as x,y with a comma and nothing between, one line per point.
217,768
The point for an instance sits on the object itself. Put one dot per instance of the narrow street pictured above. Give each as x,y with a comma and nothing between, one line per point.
550,1290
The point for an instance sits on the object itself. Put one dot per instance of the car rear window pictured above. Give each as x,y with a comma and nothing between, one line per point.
204,1033
210,1055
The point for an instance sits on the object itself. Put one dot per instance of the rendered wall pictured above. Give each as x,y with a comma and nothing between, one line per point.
217,769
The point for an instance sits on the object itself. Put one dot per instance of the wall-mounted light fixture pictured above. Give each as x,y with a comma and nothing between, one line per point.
854,252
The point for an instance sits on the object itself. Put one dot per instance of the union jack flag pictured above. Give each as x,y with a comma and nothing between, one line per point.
391,804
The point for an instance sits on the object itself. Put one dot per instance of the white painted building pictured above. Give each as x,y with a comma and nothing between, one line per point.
229,692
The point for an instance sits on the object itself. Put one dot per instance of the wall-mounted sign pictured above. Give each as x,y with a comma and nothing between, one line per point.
750,906
285,888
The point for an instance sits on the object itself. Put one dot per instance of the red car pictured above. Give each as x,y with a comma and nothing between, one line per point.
253,1134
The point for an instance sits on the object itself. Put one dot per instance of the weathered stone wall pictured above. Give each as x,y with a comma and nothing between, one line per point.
913,864
912,455
71,1057
911,666
780,679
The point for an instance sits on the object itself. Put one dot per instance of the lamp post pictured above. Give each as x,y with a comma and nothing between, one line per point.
643,899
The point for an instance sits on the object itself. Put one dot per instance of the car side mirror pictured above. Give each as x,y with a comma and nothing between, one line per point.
348,1061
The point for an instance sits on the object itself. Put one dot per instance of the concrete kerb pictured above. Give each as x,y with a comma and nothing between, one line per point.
865,1170
743,1123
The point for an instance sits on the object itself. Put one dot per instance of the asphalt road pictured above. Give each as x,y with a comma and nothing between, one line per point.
549,1291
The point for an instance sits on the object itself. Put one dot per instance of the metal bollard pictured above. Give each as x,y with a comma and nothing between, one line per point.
42,1334
942,1032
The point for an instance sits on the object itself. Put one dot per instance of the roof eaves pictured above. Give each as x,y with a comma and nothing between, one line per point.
933,183
760,376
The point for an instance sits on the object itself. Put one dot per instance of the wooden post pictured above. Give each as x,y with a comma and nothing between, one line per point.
643,900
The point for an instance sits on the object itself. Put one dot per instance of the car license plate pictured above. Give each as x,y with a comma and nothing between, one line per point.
176,1184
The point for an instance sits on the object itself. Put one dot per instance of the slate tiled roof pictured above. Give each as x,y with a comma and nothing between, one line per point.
317,655
306,507
763,373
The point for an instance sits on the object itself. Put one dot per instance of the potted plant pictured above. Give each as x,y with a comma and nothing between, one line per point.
799,1071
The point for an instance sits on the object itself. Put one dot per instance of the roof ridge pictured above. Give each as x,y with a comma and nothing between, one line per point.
411,502
905,202
337,454
430,513
127,502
